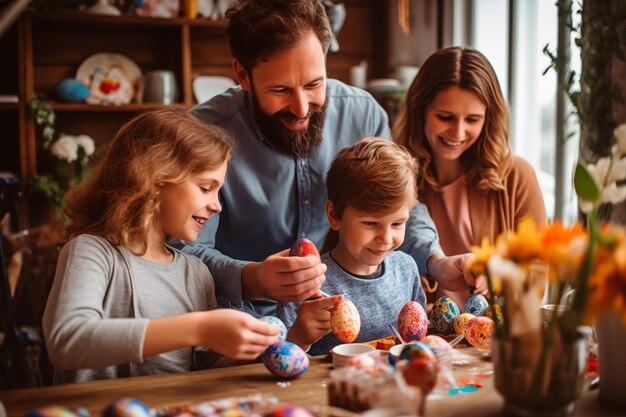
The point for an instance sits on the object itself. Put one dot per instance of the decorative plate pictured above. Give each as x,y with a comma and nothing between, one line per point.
111,78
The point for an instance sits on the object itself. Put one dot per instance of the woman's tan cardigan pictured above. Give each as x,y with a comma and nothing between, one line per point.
493,212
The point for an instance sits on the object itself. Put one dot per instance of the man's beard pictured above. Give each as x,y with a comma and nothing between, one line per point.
294,143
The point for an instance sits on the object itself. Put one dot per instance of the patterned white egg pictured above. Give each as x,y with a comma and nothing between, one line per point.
345,321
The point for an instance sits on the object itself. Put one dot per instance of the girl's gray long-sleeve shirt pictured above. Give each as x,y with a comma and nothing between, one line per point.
101,301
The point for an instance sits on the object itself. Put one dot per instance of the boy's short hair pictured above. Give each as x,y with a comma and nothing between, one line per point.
373,175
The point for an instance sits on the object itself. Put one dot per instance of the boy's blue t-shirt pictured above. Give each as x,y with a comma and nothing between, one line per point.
379,300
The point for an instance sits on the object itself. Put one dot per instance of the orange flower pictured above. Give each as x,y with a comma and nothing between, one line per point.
607,284
564,248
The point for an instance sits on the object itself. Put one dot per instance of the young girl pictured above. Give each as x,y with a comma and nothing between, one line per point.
371,190
123,303
455,122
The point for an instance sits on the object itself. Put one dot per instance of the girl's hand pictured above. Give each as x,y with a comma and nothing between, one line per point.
236,334
313,321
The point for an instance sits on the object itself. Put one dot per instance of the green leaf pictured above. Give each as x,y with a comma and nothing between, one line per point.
585,185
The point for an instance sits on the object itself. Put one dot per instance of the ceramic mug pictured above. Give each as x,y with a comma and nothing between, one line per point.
159,87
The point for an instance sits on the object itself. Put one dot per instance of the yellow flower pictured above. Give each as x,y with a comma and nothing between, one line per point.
483,252
522,246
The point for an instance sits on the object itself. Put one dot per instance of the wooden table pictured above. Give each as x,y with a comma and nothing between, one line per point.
307,390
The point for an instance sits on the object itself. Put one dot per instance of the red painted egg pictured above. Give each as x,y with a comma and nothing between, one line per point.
303,247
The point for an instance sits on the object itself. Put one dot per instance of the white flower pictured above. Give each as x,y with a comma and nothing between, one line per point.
620,140
585,206
599,170
505,269
618,170
86,143
613,194
65,148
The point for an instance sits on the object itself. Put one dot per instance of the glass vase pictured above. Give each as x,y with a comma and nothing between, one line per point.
537,378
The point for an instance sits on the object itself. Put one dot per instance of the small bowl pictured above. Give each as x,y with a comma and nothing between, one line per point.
394,353
343,353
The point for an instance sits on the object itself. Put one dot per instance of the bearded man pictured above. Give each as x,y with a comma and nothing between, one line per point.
288,121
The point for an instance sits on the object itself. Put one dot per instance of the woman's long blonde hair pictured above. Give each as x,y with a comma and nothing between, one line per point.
487,162
120,200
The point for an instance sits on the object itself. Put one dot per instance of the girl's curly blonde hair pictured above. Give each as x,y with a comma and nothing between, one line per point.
120,200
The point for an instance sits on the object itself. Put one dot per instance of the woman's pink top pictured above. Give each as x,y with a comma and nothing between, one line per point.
450,212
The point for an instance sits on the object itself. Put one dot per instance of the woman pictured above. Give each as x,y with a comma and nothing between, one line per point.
455,122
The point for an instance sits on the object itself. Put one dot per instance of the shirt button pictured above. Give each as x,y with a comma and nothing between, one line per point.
303,162
305,202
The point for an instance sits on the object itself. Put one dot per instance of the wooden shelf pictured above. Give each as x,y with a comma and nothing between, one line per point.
87,19
9,106
82,107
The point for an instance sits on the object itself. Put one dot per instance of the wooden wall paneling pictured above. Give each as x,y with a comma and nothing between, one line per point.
354,40
210,49
28,146
396,48
187,95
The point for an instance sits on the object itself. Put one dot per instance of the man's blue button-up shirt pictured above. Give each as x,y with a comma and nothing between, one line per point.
269,199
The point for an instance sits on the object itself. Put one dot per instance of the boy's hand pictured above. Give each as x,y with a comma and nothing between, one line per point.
283,278
313,321
236,334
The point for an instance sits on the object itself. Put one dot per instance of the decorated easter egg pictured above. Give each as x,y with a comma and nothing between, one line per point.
476,305
441,348
420,373
495,314
461,321
345,321
285,359
412,351
71,90
443,314
478,332
282,335
126,407
303,247
54,411
289,410
412,322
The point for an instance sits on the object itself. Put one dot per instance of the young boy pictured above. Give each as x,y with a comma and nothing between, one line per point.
371,190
